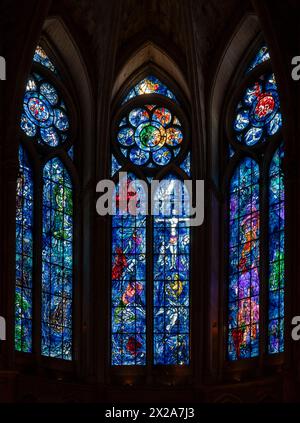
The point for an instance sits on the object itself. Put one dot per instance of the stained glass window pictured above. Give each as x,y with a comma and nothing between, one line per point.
256,121
45,123
262,56
24,255
258,113
57,261
276,255
149,136
128,284
41,57
244,283
44,114
149,85
171,274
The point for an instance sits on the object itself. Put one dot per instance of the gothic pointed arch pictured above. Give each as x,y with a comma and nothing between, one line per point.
255,212
150,317
48,214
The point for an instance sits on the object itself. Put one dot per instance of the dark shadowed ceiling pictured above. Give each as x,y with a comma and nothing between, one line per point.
125,24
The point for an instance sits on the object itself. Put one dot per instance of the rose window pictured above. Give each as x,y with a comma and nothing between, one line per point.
150,136
44,113
258,114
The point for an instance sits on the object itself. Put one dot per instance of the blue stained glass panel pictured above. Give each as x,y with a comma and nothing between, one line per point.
128,275
244,283
276,254
41,57
262,56
44,113
186,164
24,255
258,115
148,137
171,273
149,85
115,165
57,261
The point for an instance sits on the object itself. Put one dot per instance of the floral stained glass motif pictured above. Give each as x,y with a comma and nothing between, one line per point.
44,113
262,56
258,115
150,136
57,261
276,255
41,57
244,282
24,255
171,245
150,85
128,277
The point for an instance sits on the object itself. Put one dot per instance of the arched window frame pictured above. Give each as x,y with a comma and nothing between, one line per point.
181,110
38,156
263,154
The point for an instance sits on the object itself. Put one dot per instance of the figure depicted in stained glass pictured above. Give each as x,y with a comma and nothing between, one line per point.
276,254
171,276
150,137
45,121
128,283
149,85
24,255
57,261
172,243
244,282
257,119
249,228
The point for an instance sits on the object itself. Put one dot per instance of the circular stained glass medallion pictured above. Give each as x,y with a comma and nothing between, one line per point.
258,115
44,113
150,135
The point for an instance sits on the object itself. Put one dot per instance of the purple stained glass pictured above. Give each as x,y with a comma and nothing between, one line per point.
276,254
24,255
257,115
244,283
171,273
128,275
57,261
257,119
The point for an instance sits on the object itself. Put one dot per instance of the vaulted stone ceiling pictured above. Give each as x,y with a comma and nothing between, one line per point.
171,18
169,21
